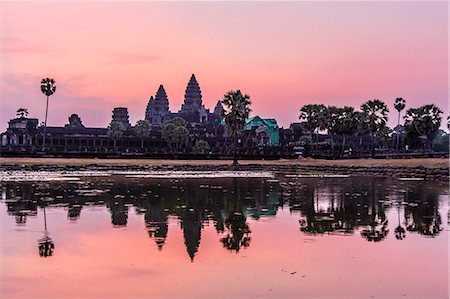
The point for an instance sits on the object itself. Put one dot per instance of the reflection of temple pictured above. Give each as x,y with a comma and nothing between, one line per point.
328,206
156,223
192,227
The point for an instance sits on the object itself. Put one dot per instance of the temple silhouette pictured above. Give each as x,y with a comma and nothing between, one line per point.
262,137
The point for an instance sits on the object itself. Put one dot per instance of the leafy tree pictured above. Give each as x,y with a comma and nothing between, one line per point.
441,141
115,131
236,110
375,118
174,131
48,88
422,123
399,105
311,117
142,130
201,147
180,135
22,112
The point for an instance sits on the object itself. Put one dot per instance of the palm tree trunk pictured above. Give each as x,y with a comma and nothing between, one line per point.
317,140
343,145
398,129
235,159
45,126
332,145
372,141
360,144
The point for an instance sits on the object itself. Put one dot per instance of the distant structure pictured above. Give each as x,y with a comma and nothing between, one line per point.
74,122
262,136
219,108
158,108
120,115
193,110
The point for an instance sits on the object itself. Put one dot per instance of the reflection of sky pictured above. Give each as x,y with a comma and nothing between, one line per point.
94,259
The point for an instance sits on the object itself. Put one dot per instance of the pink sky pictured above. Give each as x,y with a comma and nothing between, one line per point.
108,54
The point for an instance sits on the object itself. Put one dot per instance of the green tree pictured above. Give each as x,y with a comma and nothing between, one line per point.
22,112
142,130
375,118
236,110
175,132
181,135
115,131
48,88
311,117
422,123
201,147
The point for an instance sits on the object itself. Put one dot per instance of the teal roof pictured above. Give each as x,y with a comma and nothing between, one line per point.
257,121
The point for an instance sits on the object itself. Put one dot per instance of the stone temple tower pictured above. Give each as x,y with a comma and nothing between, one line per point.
120,115
158,107
192,109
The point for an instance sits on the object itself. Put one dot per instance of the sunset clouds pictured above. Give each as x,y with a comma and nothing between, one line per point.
105,54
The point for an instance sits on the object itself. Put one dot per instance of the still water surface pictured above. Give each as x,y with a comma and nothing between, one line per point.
119,237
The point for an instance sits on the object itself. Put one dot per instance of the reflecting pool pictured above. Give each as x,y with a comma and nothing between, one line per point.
118,236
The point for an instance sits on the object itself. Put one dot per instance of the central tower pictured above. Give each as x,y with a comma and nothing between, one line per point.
192,109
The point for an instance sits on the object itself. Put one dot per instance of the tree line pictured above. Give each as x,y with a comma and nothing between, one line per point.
419,127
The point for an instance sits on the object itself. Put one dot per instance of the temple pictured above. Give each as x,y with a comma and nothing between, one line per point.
262,136
158,108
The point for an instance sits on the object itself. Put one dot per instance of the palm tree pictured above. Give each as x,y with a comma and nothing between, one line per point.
376,116
399,105
311,117
22,112
422,122
346,124
236,110
362,128
331,116
48,88
115,131
142,130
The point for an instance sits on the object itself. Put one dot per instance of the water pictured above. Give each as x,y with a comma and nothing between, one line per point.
121,236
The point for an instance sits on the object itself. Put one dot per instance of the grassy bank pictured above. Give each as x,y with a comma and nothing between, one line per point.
376,163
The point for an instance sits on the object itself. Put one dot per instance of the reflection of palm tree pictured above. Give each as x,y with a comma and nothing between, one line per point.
236,225
378,229
422,212
237,232
46,245
399,230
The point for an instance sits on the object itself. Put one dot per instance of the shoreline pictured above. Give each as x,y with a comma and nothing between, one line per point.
431,168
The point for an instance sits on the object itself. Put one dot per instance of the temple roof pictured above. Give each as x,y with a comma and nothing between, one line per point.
161,94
